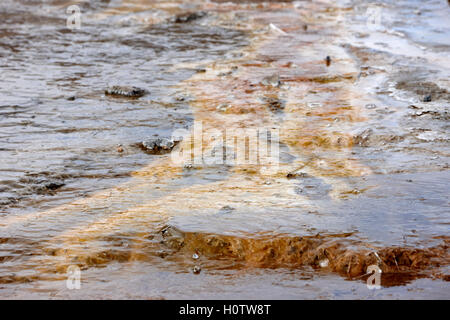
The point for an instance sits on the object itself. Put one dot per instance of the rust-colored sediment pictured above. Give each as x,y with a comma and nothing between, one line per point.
336,253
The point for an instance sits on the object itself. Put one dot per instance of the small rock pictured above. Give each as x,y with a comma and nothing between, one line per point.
371,106
195,256
157,145
180,98
226,210
273,80
71,98
328,61
54,185
189,16
427,98
125,91
292,175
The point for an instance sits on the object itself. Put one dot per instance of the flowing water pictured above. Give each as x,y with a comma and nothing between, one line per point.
363,138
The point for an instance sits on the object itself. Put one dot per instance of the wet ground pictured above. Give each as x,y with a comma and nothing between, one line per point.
363,135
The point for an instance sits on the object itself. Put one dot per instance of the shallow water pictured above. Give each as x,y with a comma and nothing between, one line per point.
363,159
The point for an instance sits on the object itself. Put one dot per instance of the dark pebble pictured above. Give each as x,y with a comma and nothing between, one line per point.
188,17
54,185
125,91
427,98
